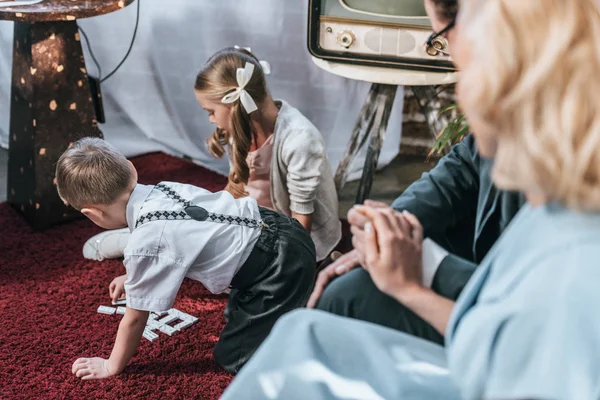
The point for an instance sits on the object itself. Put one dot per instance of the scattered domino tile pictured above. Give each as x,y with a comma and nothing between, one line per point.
154,323
184,324
106,310
167,329
169,318
151,336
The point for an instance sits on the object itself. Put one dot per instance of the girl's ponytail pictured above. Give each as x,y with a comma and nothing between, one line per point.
217,79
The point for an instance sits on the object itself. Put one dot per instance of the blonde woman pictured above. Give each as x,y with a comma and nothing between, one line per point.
277,155
526,326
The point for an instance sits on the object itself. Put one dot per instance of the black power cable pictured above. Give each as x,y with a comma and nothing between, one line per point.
100,78
87,42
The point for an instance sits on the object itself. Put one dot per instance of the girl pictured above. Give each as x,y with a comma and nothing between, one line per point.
277,155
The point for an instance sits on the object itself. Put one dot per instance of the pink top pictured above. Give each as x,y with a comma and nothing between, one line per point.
259,162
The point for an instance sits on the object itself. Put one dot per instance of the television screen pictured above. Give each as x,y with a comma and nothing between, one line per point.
389,8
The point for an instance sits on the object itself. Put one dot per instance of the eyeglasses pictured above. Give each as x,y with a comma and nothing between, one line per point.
438,45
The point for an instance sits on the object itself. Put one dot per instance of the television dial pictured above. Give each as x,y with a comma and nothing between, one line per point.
439,47
346,38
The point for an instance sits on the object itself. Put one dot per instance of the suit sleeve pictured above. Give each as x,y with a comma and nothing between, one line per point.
448,193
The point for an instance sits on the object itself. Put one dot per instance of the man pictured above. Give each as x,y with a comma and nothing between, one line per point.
462,214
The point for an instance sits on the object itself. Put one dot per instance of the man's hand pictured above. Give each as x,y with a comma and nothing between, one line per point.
393,243
339,267
116,289
91,368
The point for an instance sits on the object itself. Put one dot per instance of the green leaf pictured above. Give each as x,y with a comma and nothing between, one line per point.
447,108
453,133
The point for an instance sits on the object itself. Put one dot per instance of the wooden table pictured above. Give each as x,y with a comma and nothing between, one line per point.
51,105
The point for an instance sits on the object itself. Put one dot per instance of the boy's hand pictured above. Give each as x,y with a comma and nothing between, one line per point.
116,289
91,368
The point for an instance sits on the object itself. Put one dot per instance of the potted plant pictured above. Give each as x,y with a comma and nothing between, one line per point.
453,132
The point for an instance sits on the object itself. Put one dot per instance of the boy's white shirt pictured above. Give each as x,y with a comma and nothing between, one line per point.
160,254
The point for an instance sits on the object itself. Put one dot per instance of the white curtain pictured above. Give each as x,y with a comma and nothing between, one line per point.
150,104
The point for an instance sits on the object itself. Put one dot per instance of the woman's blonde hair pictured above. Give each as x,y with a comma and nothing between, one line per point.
218,78
533,82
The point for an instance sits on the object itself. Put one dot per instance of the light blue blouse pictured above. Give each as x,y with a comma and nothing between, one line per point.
527,325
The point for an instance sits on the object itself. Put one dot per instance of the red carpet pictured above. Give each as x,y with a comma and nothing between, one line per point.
48,299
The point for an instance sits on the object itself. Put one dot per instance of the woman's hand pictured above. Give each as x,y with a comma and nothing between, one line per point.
392,250
357,220
393,246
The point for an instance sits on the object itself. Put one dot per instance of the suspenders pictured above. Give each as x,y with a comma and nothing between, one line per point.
191,211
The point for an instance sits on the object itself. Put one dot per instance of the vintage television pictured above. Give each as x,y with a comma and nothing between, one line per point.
384,33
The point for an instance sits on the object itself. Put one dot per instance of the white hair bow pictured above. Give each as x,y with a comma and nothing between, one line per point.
243,76
266,67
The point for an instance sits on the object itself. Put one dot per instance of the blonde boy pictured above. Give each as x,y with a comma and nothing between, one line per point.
265,258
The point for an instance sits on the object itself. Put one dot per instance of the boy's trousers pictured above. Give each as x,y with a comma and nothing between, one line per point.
277,277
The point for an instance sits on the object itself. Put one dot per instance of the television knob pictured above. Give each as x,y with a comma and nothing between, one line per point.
346,38
439,47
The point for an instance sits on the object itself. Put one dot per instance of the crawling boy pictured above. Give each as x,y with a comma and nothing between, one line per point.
265,258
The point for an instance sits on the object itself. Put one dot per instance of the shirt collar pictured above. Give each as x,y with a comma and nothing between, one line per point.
136,201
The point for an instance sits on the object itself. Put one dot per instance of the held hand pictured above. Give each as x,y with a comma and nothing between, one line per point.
116,289
339,267
357,230
91,368
393,244
358,243
358,219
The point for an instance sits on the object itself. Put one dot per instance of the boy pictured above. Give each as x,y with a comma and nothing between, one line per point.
267,259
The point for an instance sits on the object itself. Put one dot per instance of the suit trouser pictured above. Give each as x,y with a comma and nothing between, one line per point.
277,277
355,295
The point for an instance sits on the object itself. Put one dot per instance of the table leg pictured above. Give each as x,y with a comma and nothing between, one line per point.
51,107
385,102
372,122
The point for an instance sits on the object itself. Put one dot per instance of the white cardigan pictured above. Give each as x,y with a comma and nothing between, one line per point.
301,178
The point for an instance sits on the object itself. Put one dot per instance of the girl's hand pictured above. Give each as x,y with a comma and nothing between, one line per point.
91,368
392,250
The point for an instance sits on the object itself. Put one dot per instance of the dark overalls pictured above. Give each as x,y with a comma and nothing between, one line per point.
277,277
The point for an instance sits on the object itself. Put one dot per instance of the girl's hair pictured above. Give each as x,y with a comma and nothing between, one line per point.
218,78
446,9
533,85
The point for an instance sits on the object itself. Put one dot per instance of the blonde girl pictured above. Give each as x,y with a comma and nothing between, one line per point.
277,155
